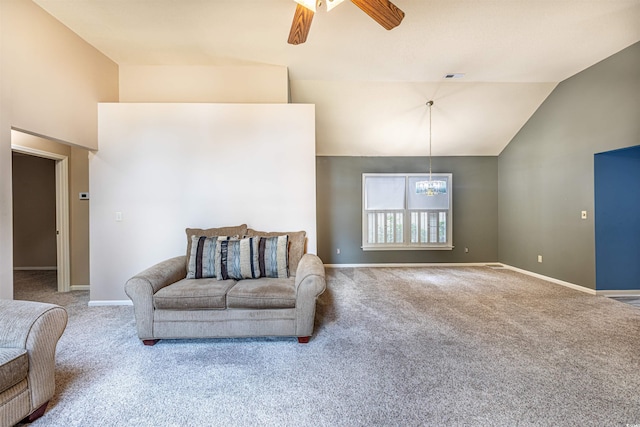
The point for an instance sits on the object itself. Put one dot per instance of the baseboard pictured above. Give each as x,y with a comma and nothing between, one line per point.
109,302
413,264
79,288
620,293
35,268
495,265
552,280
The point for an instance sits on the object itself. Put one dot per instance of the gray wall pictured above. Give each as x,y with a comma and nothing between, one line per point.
339,208
546,173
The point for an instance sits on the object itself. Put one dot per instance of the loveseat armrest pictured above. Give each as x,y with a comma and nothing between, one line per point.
35,327
310,284
141,288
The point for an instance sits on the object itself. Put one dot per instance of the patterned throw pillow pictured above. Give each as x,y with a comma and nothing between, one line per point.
274,256
201,262
252,257
238,259
297,245
238,230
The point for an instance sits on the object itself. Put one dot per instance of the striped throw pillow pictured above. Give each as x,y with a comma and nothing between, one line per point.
201,263
238,259
274,256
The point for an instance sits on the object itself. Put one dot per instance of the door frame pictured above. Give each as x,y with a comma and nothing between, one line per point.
62,212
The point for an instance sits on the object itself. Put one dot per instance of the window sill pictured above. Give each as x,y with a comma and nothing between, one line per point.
407,248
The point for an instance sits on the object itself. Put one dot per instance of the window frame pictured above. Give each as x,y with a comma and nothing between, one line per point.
406,243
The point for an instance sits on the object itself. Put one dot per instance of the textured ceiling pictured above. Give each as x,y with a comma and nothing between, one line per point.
370,85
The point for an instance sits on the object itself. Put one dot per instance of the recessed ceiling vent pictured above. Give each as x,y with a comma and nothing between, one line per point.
454,76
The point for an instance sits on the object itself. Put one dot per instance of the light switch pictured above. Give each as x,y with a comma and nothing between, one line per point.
83,196
118,216
584,215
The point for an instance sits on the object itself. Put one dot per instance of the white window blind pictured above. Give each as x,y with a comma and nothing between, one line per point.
395,217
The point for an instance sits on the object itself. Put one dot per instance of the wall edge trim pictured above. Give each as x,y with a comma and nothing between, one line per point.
414,264
552,280
100,303
620,293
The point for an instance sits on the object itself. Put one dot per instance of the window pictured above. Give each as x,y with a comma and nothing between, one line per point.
395,217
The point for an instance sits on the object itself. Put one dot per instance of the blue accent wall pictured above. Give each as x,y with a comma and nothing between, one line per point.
617,221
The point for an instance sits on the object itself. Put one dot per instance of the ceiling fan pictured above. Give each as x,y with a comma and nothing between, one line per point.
383,12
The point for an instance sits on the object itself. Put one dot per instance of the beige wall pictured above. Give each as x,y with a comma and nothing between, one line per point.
78,209
22,139
224,84
34,212
79,216
50,83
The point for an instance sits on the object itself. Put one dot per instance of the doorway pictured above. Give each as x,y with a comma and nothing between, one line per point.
617,222
61,168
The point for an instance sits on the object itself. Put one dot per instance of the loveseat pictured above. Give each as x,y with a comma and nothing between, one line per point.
29,333
233,282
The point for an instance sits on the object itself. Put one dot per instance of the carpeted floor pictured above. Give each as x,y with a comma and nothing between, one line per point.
470,346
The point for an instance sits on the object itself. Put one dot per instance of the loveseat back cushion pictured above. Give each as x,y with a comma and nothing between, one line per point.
14,365
238,230
193,294
297,245
262,293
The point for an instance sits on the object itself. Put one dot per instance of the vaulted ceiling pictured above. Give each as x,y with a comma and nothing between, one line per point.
370,85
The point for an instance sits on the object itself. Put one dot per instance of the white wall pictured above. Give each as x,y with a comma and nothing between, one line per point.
167,167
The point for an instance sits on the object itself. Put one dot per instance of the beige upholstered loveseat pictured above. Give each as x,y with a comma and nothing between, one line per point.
264,285
29,333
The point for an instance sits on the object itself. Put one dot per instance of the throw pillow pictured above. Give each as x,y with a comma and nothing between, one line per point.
297,240
238,259
201,261
239,230
274,256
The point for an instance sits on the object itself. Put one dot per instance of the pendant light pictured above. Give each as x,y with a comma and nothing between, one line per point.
431,187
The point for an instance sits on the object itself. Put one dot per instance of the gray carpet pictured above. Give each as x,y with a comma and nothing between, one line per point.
471,346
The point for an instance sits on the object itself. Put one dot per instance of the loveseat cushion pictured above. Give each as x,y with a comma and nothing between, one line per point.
297,244
193,294
262,293
14,365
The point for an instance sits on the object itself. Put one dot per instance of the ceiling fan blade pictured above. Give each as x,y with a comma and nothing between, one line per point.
383,12
300,25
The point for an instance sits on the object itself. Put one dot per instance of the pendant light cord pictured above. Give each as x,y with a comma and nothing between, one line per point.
430,104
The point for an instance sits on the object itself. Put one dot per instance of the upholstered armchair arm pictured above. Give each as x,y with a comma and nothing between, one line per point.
35,327
141,287
310,283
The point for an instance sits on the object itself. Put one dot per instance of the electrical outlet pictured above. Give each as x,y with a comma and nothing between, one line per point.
540,258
